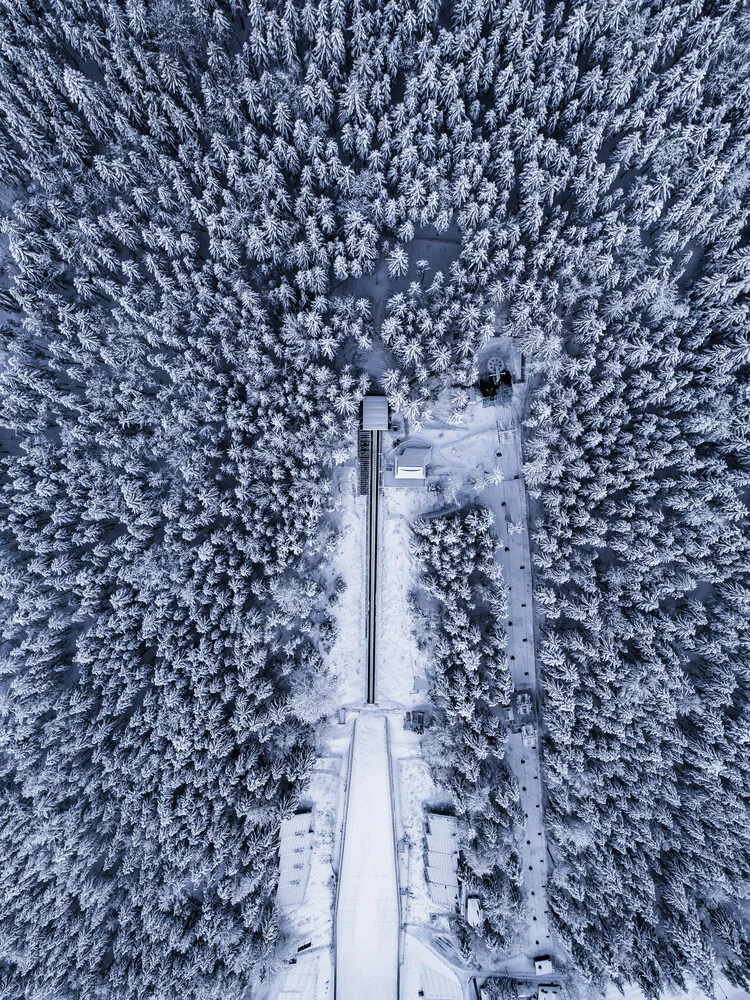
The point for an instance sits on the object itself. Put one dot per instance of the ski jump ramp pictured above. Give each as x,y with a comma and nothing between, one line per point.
367,921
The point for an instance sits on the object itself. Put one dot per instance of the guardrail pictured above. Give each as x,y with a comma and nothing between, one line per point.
341,850
395,854
372,538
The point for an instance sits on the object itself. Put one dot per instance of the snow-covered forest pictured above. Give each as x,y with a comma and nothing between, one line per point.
460,606
194,193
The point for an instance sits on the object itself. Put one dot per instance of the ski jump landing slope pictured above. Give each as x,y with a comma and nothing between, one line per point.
367,923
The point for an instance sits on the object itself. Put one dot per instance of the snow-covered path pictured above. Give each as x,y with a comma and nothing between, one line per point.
367,919
509,504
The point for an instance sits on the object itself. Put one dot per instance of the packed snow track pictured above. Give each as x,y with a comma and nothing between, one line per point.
367,916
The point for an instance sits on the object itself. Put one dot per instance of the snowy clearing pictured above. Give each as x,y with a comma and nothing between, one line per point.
399,659
346,660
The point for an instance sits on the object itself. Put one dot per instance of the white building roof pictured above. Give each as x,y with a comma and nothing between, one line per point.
442,877
443,826
443,895
295,851
296,825
441,862
441,845
473,911
295,834
412,463
292,865
543,965
375,413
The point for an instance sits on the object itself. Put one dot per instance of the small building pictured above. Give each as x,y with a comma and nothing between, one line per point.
412,463
496,384
543,965
375,413
442,860
295,852
473,911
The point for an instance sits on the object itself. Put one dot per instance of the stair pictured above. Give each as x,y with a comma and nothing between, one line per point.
363,457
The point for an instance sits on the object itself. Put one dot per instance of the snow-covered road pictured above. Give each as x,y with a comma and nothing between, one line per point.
367,919
508,502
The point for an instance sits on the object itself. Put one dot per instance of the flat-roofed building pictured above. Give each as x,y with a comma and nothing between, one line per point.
442,859
295,850
473,911
439,986
412,463
375,413
443,826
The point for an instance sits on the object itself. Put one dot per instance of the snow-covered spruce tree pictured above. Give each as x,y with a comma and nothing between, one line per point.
459,605
185,187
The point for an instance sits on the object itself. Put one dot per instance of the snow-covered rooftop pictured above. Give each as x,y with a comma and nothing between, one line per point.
442,859
440,844
442,862
442,876
375,413
443,895
442,826
412,463
295,849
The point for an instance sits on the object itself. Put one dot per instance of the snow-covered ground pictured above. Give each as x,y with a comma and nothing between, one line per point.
367,917
398,658
426,974
346,660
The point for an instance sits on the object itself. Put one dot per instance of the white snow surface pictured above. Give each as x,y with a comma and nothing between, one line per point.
346,660
367,917
398,659
425,971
